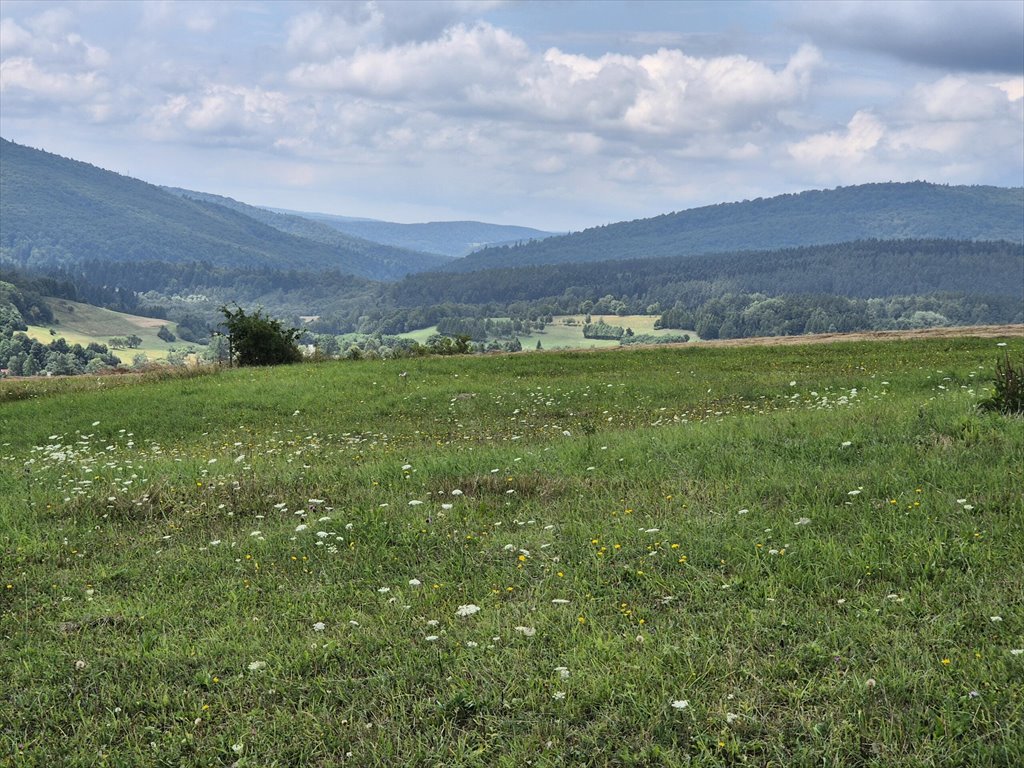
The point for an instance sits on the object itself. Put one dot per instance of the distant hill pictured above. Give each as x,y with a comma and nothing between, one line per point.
60,212
448,238
869,211
400,260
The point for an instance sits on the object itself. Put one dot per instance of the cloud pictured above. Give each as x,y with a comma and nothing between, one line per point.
956,129
862,134
487,71
974,36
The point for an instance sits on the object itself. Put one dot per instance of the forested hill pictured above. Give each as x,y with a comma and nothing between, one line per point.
60,212
876,211
448,238
863,269
400,261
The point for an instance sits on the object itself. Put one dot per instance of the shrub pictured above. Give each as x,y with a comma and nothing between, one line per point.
255,339
1009,388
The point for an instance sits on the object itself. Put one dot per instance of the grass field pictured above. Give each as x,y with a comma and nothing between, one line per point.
85,324
785,556
566,332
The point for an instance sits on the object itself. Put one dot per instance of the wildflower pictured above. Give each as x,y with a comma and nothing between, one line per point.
528,631
560,601
558,695
431,638
433,623
301,527
415,582
1017,651
853,493
846,444
563,672
415,503
319,627
946,662
456,492
237,748
803,521
680,704
731,717
974,694
472,644
255,666
384,590
80,664
995,618
467,610
870,682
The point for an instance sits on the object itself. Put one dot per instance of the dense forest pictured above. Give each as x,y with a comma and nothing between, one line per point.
885,211
57,212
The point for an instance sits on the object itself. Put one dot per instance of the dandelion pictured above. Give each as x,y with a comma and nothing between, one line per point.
870,682
680,704
81,664
467,610
946,662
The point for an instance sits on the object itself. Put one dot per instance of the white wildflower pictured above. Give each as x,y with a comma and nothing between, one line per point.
680,704
467,610
319,627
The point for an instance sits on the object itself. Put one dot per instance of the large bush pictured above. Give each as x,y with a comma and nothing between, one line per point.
255,339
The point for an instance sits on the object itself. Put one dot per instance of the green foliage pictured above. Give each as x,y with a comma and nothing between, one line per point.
1009,388
165,334
601,330
255,339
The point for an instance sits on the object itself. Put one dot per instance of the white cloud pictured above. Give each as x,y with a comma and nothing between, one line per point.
862,134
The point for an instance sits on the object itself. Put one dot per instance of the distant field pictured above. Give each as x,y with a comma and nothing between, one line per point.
705,555
85,324
560,335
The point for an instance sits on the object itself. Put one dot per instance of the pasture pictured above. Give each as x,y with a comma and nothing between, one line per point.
713,556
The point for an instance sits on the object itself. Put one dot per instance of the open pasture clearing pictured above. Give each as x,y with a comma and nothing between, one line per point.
817,548
85,324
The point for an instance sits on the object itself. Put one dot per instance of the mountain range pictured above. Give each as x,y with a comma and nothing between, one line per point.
953,251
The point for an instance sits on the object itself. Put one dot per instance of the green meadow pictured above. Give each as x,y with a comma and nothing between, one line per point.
770,556
85,324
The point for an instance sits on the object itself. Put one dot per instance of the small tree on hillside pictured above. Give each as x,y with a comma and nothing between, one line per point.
255,339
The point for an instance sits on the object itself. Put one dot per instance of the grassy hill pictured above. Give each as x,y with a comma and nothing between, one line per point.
770,556
878,211
85,324
60,212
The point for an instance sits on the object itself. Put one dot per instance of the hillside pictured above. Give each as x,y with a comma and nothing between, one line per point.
448,238
880,211
60,212
399,261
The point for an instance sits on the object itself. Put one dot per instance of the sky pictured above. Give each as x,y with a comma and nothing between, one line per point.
558,115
